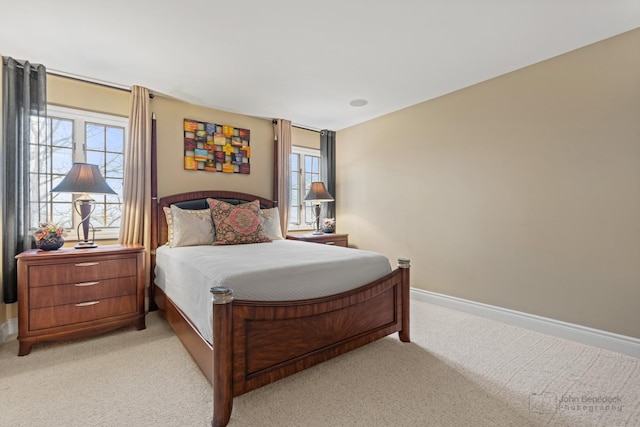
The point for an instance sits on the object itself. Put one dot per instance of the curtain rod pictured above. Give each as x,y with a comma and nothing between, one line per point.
306,128
274,121
92,81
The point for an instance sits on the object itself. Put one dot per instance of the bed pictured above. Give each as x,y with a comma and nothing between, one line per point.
257,342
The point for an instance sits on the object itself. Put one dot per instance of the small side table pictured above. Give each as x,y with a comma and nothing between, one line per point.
325,239
75,293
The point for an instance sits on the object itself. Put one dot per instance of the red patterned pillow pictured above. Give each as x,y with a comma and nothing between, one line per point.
237,224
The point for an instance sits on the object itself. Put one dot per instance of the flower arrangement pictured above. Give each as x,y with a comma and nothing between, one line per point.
329,225
48,230
49,236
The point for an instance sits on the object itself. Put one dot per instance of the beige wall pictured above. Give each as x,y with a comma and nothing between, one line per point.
172,178
521,192
72,93
305,138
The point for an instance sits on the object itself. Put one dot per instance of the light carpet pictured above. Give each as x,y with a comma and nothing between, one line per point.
459,370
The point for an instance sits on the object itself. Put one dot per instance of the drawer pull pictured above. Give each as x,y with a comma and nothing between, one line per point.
329,243
86,284
85,304
86,264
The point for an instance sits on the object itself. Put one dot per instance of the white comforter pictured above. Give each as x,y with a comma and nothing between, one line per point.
277,271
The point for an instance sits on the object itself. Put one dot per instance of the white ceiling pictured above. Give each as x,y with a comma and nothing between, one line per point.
302,60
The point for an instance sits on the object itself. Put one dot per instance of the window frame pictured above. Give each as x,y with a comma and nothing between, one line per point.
80,119
303,188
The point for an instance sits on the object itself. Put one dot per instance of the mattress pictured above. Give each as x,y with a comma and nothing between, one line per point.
282,270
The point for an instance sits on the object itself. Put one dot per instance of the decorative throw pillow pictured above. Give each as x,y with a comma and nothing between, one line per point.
237,224
191,227
271,223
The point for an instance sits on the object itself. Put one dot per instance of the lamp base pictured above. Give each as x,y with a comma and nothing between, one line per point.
85,206
316,213
86,245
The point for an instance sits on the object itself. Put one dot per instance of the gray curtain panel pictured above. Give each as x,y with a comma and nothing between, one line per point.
24,109
328,156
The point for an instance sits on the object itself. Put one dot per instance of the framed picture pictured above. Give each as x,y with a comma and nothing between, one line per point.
212,147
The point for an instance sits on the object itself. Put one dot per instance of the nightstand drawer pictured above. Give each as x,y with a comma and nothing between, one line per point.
81,271
60,315
45,296
325,239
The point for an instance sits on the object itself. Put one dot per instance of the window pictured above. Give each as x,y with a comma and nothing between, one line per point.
78,136
305,168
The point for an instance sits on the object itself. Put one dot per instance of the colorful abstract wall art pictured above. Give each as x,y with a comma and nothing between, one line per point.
216,148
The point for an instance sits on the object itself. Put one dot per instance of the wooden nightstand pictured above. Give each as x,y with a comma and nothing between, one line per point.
74,293
327,239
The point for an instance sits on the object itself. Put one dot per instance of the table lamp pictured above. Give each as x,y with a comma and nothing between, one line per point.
84,178
318,193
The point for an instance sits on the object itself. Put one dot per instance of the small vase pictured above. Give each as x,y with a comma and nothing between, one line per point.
329,227
50,244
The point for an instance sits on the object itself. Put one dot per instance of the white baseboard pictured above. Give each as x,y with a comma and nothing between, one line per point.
595,337
9,327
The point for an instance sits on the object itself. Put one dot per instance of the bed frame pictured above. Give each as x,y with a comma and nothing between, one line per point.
258,342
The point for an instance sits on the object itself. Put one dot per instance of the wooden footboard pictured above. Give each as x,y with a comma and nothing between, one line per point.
257,343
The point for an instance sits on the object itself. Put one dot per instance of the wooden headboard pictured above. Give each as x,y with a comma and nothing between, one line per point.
198,200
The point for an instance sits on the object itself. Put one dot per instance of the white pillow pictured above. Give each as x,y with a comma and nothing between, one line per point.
270,219
167,215
191,227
